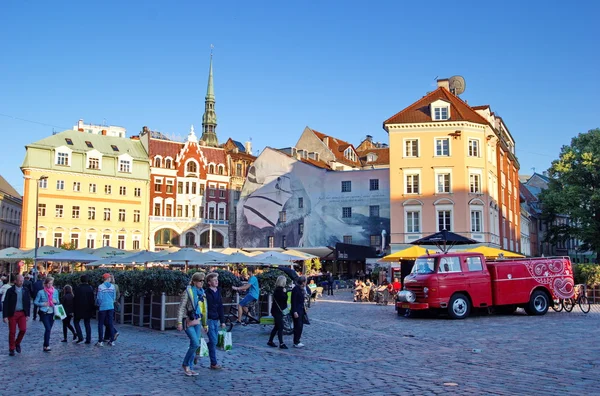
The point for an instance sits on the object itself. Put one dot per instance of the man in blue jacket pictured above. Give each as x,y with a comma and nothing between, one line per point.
105,300
214,316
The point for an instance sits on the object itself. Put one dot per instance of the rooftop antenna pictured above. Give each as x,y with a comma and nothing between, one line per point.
533,169
457,85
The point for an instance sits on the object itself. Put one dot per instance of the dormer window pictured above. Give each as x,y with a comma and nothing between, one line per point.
441,113
114,147
349,154
63,156
89,144
371,157
69,141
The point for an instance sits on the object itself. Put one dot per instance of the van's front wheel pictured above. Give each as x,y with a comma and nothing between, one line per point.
459,306
538,303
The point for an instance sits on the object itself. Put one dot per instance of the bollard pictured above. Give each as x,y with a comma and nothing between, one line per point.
141,312
122,313
163,310
269,303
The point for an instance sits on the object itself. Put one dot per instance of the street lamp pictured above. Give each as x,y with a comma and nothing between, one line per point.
37,214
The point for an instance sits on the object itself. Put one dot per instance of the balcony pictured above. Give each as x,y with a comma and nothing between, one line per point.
188,220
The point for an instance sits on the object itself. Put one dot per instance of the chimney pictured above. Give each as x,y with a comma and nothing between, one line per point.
370,138
326,141
80,125
144,129
444,82
248,147
104,132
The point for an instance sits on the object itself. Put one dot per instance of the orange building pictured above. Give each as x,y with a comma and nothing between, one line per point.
452,167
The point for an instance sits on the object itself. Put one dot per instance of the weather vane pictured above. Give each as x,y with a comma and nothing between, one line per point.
211,49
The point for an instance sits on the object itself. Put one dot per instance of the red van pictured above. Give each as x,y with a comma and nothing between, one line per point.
460,281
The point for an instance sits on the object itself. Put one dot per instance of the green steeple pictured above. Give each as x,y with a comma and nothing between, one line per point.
209,120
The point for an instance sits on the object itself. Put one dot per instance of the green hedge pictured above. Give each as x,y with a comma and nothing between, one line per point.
587,274
266,279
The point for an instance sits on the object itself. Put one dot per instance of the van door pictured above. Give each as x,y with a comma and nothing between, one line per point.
450,278
479,281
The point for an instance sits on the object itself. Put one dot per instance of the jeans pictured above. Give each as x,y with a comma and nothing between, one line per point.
330,288
66,322
48,321
105,317
277,329
298,325
88,329
213,333
19,319
193,333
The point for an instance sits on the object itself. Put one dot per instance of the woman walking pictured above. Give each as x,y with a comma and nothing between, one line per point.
46,299
192,311
280,299
67,301
298,293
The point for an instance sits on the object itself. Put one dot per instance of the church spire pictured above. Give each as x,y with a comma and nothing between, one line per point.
209,120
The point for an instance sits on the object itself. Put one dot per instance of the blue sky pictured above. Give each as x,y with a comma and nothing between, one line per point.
340,67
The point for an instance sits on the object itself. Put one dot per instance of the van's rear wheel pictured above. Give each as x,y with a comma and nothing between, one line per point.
459,306
538,303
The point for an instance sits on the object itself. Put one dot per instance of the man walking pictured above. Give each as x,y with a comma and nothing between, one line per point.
35,288
214,315
329,283
83,307
105,300
15,312
117,309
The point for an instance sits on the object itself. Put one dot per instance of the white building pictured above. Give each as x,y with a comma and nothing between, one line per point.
108,130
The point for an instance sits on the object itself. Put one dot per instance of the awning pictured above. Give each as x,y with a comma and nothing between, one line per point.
410,253
345,251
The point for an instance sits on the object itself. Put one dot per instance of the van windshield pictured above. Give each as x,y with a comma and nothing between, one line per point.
424,266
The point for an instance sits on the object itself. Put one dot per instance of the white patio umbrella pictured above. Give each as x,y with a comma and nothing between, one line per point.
12,253
279,256
187,256
108,251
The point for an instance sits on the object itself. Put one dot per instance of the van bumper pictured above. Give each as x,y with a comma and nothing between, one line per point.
412,306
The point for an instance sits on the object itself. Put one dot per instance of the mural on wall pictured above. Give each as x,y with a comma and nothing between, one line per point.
301,205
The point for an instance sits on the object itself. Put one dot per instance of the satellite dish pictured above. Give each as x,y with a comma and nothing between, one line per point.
457,85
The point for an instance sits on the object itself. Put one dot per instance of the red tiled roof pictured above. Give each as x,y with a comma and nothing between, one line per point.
419,112
242,156
482,107
383,156
214,155
337,147
164,148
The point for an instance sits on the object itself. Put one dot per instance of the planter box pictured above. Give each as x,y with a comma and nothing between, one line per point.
163,314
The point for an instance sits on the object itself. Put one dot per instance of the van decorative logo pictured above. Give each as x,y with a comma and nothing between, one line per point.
555,273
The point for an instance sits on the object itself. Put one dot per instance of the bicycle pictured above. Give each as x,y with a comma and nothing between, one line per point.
580,299
557,305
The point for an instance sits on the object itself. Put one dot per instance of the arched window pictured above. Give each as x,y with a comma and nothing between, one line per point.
221,169
157,162
190,239
166,237
191,167
211,168
168,163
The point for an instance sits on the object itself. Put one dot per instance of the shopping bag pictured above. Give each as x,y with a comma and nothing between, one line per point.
228,343
221,339
203,348
59,312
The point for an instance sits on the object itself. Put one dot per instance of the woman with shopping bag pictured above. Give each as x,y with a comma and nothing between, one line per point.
46,300
191,317
277,310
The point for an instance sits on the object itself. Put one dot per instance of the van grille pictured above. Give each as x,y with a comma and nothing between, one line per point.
418,290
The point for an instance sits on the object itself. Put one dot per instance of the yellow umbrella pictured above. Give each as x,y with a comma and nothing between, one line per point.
410,253
490,252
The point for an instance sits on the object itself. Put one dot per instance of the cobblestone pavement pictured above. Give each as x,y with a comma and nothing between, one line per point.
350,348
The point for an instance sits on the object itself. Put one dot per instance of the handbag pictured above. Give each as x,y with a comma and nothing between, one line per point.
285,311
59,312
305,318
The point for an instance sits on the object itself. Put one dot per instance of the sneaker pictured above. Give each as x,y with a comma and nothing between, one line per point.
111,343
116,336
65,340
299,345
79,341
47,349
215,367
88,342
99,344
283,346
74,337
272,344
18,348
11,352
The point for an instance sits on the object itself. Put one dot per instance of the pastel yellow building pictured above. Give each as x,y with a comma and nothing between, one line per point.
93,192
452,167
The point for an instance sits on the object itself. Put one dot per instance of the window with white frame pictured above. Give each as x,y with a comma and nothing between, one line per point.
476,221
41,210
43,183
442,147
440,113
121,214
221,213
221,170
170,186
474,183
125,165
349,154
412,183
75,212
76,186
158,184
136,244
444,219
474,148
270,241
58,211
346,186
91,213
413,221
60,184
91,241
375,241
62,158
58,239
93,188
346,212
443,183
411,148
93,163
121,242
137,192
222,192
105,240
136,216
282,216
122,190
74,241
107,189
373,184
157,209
300,228
106,214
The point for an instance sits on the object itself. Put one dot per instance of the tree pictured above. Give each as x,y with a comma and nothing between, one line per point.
574,192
